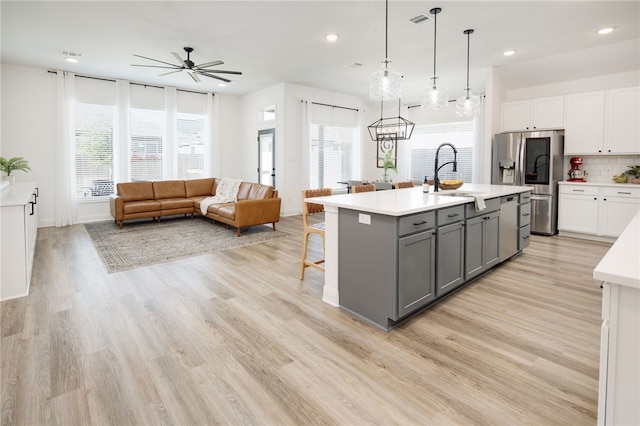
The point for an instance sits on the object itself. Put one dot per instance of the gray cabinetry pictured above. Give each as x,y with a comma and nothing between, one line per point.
481,243
450,249
387,264
416,271
524,221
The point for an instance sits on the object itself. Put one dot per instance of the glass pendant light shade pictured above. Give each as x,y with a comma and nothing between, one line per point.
435,96
468,105
385,83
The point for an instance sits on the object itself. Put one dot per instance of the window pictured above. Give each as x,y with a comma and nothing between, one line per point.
330,155
94,150
190,148
146,144
425,142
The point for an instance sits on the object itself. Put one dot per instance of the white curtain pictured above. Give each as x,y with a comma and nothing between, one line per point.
208,135
170,164
356,164
64,178
305,137
121,135
478,149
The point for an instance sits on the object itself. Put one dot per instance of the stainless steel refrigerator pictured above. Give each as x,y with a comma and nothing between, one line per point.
532,159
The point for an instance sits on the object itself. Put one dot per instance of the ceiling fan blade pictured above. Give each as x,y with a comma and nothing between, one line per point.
209,64
194,77
222,72
157,60
213,76
178,57
173,67
170,72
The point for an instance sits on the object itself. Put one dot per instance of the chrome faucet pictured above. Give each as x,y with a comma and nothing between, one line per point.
436,181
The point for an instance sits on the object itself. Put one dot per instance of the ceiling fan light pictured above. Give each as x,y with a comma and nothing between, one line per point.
385,84
468,105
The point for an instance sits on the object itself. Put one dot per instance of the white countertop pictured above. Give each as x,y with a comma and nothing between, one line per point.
613,184
621,264
405,201
17,195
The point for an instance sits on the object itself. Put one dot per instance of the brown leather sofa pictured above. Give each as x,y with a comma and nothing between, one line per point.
257,204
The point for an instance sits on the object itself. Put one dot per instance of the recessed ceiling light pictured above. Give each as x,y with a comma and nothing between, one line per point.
332,37
605,30
509,52
222,84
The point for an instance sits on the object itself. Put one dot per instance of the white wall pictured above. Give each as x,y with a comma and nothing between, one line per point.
28,129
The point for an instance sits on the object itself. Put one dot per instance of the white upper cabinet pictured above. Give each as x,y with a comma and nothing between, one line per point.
604,122
534,114
622,122
584,123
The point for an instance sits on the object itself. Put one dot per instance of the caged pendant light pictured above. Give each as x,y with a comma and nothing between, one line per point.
385,83
468,105
435,96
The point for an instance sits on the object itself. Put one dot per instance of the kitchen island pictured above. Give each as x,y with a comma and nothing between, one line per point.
390,254
619,383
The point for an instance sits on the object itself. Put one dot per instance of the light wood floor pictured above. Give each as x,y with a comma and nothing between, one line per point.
236,338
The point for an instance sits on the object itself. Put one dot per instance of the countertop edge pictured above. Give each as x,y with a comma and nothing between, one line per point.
620,264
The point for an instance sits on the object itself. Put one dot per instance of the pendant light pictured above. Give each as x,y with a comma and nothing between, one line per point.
391,128
435,96
468,105
385,83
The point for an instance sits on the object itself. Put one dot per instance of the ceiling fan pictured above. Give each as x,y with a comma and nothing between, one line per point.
192,69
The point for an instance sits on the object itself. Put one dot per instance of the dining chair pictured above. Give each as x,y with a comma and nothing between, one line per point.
316,228
405,184
363,188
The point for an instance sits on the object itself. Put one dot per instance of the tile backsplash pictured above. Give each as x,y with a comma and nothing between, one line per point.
601,168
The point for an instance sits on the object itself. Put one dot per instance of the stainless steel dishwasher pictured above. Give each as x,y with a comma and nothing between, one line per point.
508,227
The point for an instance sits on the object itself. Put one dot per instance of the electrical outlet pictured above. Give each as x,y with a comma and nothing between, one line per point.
364,219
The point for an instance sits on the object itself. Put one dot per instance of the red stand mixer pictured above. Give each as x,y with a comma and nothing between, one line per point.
575,174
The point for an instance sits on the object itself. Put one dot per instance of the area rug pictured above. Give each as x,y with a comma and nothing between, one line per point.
144,243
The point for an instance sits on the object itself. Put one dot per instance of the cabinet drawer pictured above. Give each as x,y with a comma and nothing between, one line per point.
524,216
492,205
622,192
525,197
579,189
450,215
524,237
417,222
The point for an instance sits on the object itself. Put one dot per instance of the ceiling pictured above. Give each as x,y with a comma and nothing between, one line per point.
284,41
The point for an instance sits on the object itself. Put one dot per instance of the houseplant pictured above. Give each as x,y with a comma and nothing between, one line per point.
8,165
635,172
388,163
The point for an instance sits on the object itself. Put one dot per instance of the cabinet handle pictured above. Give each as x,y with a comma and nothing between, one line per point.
32,204
424,222
577,190
604,199
37,192
595,198
452,215
510,199
525,214
624,193
525,238
35,198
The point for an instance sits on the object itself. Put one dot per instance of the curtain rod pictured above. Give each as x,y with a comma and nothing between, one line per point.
134,83
450,100
333,106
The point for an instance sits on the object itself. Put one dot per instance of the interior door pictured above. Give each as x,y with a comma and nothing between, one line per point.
267,157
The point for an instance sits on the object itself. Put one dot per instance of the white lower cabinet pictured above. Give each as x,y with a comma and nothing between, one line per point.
602,210
19,222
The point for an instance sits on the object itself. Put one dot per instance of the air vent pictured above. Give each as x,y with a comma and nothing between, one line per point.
72,54
419,19
355,65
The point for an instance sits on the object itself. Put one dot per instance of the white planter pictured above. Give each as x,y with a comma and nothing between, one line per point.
10,179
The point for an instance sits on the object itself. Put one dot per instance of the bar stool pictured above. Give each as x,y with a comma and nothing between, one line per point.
316,228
